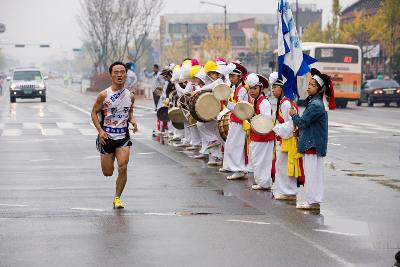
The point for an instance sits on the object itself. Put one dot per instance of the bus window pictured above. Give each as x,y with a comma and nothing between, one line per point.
336,55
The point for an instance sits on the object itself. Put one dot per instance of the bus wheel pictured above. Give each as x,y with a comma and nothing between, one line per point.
358,103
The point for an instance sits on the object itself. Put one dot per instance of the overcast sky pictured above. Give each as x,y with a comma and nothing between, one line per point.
54,22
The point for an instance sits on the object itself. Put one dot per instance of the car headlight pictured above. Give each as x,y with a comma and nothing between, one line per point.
13,86
39,86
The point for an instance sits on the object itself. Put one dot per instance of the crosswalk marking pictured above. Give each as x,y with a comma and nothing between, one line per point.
65,125
378,127
89,131
11,132
49,132
31,125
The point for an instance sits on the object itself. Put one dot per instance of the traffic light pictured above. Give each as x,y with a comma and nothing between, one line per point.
77,49
45,45
19,45
101,51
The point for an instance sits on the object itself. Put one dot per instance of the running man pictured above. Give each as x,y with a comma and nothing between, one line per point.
111,114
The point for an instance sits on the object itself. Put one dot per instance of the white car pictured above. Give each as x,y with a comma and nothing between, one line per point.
27,83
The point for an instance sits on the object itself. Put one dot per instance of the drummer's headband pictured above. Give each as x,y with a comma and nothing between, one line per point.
319,80
237,71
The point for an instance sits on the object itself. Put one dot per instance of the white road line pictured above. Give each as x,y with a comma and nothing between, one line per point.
146,153
39,160
332,131
92,157
350,128
87,209
334,232
50,132
11,132
324,250
65,125
252,222
14,205
31,125
89,131
161,214
378,127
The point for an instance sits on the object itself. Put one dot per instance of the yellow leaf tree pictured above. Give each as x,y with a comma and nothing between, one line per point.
313,33
358,32
386,25
175,52
215,45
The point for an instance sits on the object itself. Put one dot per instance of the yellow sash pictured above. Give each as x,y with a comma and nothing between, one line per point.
290,146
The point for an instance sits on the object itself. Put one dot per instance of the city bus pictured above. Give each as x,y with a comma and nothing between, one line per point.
340,61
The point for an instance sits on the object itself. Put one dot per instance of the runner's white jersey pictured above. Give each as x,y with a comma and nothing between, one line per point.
115,113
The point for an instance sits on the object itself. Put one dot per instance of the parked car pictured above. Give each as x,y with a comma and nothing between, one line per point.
379,91
27,83
76,79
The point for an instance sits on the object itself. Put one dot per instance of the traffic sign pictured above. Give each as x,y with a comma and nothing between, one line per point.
19,45
45,45
2,27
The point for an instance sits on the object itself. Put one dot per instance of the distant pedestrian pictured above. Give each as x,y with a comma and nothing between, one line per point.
380,76
131,79
313,138
157,82
111,114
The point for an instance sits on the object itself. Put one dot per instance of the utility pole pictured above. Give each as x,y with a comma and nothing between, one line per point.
225,13
187,40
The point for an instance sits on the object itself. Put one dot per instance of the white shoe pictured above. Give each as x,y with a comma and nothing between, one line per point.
285,197
214,162
223,170
213,144
259,187
201,156
182,145
306,206
236,175
193,148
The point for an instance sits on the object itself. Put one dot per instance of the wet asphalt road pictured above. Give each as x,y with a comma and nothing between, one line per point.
56,207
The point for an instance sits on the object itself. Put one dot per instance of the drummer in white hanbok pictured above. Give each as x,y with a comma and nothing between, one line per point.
212,75
287,164
235,149
262,145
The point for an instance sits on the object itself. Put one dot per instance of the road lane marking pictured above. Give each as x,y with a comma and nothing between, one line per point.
379,128
324,250
161,214
11,132
38,160
92,157
87,209
334,232
65,125
89,132
51,132
252,222
14,205
30,125
146,153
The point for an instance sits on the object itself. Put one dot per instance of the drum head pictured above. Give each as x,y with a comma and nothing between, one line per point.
262,124
178,126
243,110
176,115
207,106
162,114
223,125
222,91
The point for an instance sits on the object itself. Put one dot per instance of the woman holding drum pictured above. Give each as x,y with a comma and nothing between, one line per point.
262,141
235,158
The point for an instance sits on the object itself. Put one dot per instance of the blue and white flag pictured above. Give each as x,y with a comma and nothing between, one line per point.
291,60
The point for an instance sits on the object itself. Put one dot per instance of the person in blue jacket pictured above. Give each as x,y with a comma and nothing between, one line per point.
313,137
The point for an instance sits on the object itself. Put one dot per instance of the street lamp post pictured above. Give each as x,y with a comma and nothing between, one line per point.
218,5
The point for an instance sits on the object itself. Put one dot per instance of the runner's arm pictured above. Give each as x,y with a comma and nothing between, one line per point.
97,107
131,118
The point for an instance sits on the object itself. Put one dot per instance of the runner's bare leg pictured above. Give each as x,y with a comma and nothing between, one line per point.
122,155
107,164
